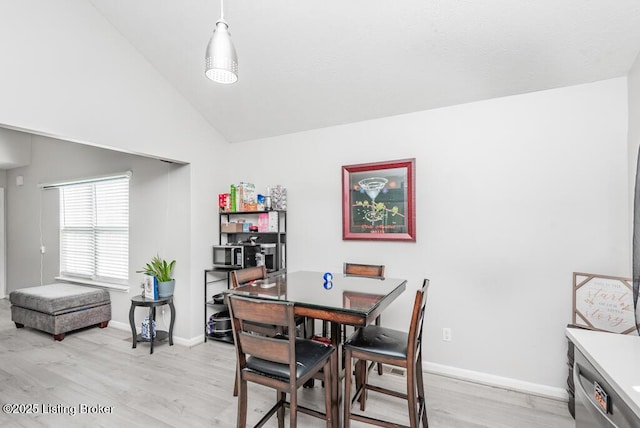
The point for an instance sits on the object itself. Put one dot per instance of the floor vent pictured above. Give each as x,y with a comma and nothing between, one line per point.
394,371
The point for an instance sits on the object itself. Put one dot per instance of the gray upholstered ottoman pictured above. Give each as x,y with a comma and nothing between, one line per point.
59,308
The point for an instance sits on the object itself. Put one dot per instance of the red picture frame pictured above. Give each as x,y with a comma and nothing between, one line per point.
378,201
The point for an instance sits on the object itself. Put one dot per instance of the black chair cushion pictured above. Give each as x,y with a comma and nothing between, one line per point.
379,340
308,354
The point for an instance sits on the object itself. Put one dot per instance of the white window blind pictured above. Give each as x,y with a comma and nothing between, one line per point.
94,230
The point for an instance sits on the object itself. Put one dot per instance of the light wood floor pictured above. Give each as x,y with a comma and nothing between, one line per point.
191,387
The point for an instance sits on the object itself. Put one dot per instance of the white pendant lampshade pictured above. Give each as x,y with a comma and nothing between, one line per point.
221,60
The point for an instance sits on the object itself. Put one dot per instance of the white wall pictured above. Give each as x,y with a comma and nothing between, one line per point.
66,73
513,196
15,148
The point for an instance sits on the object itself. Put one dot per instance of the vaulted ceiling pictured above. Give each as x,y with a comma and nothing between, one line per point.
311,64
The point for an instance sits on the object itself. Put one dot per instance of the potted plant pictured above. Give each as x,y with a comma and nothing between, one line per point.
161,270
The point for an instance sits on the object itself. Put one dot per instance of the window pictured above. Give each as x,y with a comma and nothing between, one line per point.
94,230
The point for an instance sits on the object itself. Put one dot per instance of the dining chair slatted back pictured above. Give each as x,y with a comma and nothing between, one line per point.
393,347
243,276
284,363
260,346
356,269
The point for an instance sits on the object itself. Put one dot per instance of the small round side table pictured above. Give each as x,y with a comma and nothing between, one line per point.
152,305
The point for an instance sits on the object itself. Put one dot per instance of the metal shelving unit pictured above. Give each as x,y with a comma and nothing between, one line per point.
218,276
212,276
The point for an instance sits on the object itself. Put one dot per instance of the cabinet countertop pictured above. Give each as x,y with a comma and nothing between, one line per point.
617,359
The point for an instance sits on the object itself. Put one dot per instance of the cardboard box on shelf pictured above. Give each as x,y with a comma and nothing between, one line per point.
231,227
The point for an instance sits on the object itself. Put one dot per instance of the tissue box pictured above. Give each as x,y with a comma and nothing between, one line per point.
268,222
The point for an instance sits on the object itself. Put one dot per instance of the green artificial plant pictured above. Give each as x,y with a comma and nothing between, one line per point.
159,268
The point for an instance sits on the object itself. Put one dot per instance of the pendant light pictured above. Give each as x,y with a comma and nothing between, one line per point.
221,61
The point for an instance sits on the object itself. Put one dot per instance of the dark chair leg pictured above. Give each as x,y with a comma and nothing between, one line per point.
18,325
281,397
347,389
411,395
293,409
58,337
379,364
328,405
422,401
235,384
104,324
364,375
242,404
311,327
360,369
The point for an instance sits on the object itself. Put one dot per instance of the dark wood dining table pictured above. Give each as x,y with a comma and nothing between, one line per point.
337,298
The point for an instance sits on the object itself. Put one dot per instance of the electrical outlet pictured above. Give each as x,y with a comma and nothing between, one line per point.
446,334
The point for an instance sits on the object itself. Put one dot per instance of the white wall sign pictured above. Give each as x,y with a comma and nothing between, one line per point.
603,303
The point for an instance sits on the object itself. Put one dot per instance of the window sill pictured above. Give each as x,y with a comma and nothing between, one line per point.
110,286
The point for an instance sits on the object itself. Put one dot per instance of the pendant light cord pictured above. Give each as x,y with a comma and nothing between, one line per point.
222,10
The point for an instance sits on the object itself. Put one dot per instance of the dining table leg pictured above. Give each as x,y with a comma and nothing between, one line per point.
336,340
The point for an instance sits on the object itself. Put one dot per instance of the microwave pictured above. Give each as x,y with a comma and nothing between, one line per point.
228,256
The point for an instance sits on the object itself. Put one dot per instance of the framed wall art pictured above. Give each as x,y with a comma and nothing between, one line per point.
378,201
603,303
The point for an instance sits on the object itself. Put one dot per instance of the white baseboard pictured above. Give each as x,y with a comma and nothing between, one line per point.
497,381
120,325
176,340
190,342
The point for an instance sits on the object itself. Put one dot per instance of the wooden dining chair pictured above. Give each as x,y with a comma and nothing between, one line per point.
245,276
356,269
393,347
284,363
371,271
367,271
